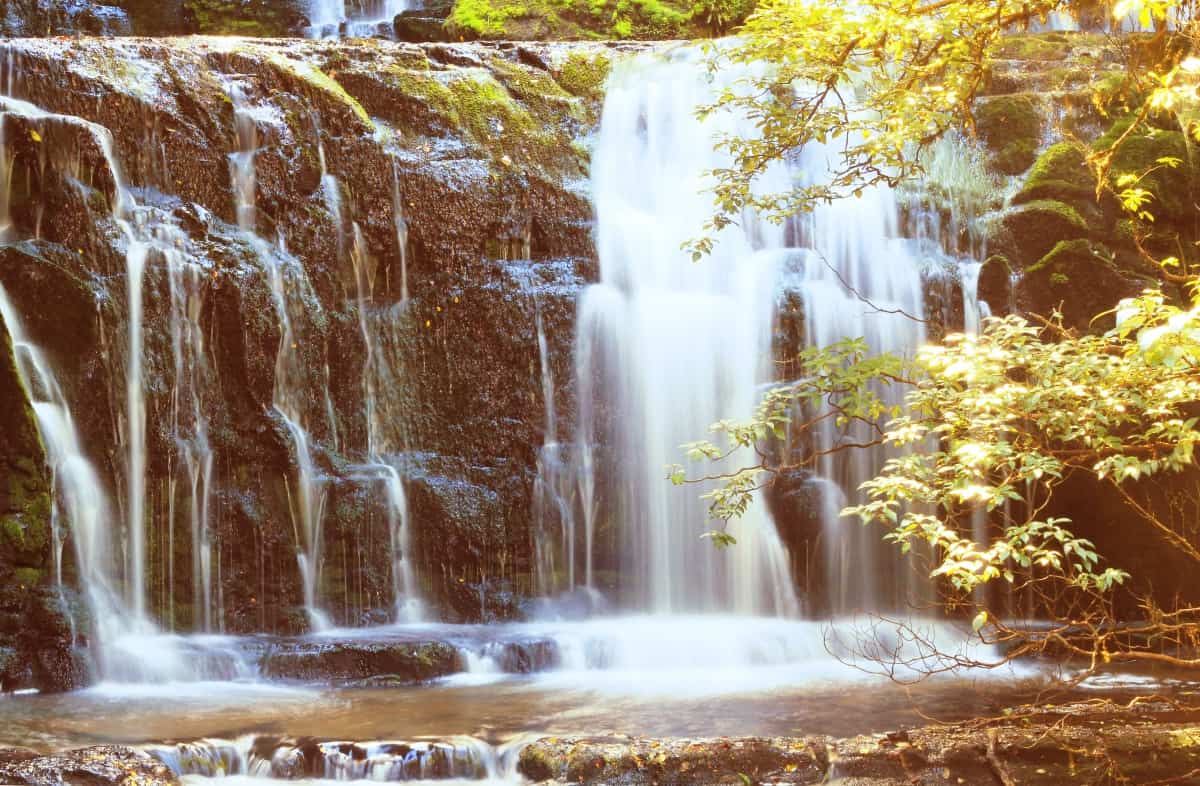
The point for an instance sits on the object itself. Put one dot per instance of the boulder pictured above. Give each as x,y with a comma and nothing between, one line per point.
349,662
1079,278
1061,173
103,765
1026,233
1011,127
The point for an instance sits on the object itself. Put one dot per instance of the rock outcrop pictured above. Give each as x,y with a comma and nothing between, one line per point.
439,188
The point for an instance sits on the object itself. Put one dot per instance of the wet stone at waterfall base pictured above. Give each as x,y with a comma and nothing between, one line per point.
343,366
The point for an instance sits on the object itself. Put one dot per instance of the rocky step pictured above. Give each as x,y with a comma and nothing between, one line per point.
397,662
1145,741
284,758
1034,746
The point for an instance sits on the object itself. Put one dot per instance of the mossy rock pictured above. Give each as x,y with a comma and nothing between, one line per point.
576,20
25,501
584,75
1142,154
1028,232
1011,127
1061,173
1078,277
1048,46
1015,157
245,17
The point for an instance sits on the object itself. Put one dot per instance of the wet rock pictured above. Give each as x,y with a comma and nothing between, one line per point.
1043,745
315,661
995,284
106,765
481,144
636,760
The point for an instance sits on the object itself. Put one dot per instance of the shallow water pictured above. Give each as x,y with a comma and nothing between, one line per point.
681,676
492,712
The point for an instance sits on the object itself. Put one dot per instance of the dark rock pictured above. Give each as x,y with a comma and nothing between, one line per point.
1028,232
315,661
497,231
1079,278
996,284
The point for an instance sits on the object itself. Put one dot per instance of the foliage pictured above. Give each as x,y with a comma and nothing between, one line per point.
842,383
884,79
992,426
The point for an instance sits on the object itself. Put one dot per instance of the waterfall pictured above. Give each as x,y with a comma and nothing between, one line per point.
353,18
401,231
666,347
127,643
380,383
292,294
294,299
189,424
854,247
80,497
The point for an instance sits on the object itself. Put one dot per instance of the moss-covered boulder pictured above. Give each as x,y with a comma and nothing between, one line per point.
995,284
1028,232
245,17
1011,127
1061,173
1080,279
1160,158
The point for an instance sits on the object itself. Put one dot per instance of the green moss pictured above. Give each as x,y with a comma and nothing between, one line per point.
1011,128
1070,253
1061,173
28,577
584,75
592,19
482,19
1015,157
315,77
1141,154
1050,46
1031,230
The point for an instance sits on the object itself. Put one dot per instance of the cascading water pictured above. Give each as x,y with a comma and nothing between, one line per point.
127,644
457,759
293,297
292,294
354,18
857,278
667,347
380,389
80,498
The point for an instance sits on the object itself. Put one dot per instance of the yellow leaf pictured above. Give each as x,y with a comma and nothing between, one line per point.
35,136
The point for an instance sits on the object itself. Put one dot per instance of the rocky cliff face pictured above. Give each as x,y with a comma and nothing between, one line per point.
438,189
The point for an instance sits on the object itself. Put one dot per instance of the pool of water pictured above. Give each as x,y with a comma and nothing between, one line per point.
636,676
